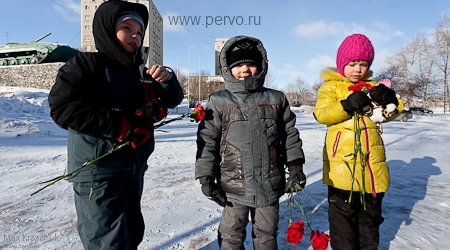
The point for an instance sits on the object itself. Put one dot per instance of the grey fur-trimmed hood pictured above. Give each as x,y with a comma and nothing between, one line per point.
250,84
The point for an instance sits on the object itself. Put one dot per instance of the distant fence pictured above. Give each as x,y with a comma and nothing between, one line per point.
41,76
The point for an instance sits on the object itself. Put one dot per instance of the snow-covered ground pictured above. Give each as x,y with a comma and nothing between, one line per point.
177,215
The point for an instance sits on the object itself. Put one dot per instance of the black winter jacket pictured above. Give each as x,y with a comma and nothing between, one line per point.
92,94
247,137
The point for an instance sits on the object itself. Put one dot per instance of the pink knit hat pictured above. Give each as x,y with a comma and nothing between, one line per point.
354,47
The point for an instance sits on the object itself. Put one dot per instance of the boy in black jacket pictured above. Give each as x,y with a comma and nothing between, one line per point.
105,98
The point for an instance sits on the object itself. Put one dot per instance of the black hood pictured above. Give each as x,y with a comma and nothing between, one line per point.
104,29
251,84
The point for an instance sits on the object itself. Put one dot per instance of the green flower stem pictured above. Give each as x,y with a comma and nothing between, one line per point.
295,188
357,151
112,150
362,160
300,205
171,120
78,170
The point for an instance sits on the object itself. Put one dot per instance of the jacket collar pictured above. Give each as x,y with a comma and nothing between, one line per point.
332,74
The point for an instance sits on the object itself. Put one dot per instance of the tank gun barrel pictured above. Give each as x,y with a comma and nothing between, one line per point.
42,37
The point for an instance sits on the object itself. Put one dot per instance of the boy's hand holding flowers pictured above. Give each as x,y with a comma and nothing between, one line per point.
152,111
296,180
137,128
296,230
135,133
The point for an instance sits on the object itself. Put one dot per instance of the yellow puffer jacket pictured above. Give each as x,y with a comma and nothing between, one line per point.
339,140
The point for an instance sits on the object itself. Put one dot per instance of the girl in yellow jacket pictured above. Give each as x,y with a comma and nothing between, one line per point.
355,189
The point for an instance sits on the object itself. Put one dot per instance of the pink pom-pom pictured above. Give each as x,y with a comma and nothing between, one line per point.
386,82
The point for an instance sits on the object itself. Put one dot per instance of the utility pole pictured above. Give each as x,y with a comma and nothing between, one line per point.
178,58
199,76
189,75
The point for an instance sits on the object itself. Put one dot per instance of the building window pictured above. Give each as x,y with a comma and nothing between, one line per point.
87,7
88,48
87,28
87,17
87,38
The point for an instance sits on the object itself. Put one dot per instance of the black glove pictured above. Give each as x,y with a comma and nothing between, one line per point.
383,95
152,111
211,190
296,178
356,101
137,135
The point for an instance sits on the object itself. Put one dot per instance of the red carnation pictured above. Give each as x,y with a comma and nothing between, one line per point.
360,86
198,113
319,240
295,232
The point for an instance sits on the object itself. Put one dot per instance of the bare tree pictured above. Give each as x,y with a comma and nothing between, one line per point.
269,81
441,55
182,79
299,93
301,86
316,86
425,76
290,93
406,70
420,67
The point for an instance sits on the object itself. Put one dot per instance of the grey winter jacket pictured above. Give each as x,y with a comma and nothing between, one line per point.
247,137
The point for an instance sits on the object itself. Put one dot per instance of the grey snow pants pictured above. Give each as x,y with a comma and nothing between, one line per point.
232,228
112,218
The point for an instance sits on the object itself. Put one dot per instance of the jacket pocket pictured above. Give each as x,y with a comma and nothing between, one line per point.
276,163
231,171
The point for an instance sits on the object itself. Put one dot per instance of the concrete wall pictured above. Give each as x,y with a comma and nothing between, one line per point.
40,76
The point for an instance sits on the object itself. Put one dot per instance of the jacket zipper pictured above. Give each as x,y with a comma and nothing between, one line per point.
336,143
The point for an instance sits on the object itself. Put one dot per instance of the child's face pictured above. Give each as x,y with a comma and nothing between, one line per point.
356,70
243,70
129,35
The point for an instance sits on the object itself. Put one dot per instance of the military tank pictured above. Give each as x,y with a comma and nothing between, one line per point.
35,52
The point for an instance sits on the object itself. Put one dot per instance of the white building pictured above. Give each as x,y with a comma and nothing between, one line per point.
218,45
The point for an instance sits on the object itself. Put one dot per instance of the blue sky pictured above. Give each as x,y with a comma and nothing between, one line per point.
301,36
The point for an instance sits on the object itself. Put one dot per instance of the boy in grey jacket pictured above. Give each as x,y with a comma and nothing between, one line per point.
247,137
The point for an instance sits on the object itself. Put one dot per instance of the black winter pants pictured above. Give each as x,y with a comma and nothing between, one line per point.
232,228
112,218
352,227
